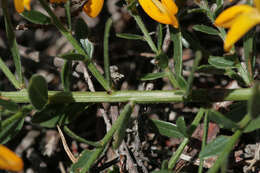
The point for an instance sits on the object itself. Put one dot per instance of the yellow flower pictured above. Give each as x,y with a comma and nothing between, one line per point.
93,7
162,11
9,160
239,19
21,4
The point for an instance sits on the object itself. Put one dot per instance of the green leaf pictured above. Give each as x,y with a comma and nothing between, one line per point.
221,62
66,75
159,36
181,125
254,102
120,133
215,147
9,105
36,17
221,120
130,36
253,125
88,46
153,76
83,159
206,29
163,60
11,130
176,37
72,56
167,129
9,74
210,69
50,116
13,46
38,91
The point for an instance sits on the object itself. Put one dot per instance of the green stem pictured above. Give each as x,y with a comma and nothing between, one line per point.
65,32
22,113
204,140
108,137
12,42
201,95
175,157
80,139
230,145
106,50
171,78
177,154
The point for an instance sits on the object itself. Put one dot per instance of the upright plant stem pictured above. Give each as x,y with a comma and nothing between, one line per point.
106,50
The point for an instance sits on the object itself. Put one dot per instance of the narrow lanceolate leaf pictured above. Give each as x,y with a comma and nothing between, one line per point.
9,74
12,41
181,125
176,37
153,76
167,129
120,133
253,125
221,62
11,128
36,17
66,74
221,120
215,147
206,29
72,56
254,102
83,158
38,91
130,36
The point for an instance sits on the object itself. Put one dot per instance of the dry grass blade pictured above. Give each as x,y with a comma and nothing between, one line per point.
65,145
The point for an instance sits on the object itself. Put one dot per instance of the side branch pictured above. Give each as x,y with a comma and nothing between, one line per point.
200,95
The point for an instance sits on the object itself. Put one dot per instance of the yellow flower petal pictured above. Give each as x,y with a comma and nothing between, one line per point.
257,4
171,6
27,4
19,6
93,7
159,12
241,26
227,17
9,160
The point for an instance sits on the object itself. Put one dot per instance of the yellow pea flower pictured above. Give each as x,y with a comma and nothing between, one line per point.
21,4
9,160
163,11
93,7
239,19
